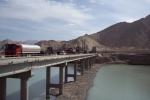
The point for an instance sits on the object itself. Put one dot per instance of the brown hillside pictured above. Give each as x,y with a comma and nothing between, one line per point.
136,34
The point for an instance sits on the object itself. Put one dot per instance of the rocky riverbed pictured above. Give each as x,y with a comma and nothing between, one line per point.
78,90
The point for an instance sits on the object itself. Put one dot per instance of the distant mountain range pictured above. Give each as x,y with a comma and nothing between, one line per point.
123,35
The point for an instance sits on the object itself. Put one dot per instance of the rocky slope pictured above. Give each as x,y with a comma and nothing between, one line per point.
135,35
50,43
123,35
85,42
130,35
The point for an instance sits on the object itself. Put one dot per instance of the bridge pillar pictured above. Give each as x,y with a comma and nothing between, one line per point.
24,76
82,67
74,75
2,88
60,80
50,85
75,71
93,61
84,64
47,82
66,73
87,64
24,86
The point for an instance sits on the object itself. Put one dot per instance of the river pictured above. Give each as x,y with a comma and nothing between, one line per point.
112,82
121,82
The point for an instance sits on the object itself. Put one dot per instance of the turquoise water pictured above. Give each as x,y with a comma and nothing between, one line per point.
121,82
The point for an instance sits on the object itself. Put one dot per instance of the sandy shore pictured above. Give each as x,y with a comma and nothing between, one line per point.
78,90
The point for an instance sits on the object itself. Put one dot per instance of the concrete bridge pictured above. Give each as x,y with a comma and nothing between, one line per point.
21,68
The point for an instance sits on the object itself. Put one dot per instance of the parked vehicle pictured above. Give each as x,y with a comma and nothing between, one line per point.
70,51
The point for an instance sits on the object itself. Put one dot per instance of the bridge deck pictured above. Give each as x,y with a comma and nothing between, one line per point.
10,66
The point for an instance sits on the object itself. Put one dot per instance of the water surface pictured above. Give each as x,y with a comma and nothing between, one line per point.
121,82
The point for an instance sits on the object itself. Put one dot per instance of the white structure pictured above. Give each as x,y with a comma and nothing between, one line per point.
30,48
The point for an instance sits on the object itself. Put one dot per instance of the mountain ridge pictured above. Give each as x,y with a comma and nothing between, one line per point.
122,35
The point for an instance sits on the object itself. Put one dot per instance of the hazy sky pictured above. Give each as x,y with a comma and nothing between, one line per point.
64,19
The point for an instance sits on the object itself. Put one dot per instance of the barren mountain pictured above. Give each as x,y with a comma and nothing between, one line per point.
130,35
135,35
50,43
85,42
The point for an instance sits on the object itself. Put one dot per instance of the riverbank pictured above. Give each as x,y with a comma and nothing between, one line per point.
78,90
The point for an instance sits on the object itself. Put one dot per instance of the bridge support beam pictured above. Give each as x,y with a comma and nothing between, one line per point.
47,81
23,84
66,73
82,66
2,88
24,89
93,60
60,80
87,65
74,75
90,62
50,85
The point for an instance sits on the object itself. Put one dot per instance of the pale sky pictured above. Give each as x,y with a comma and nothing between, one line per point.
65,19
